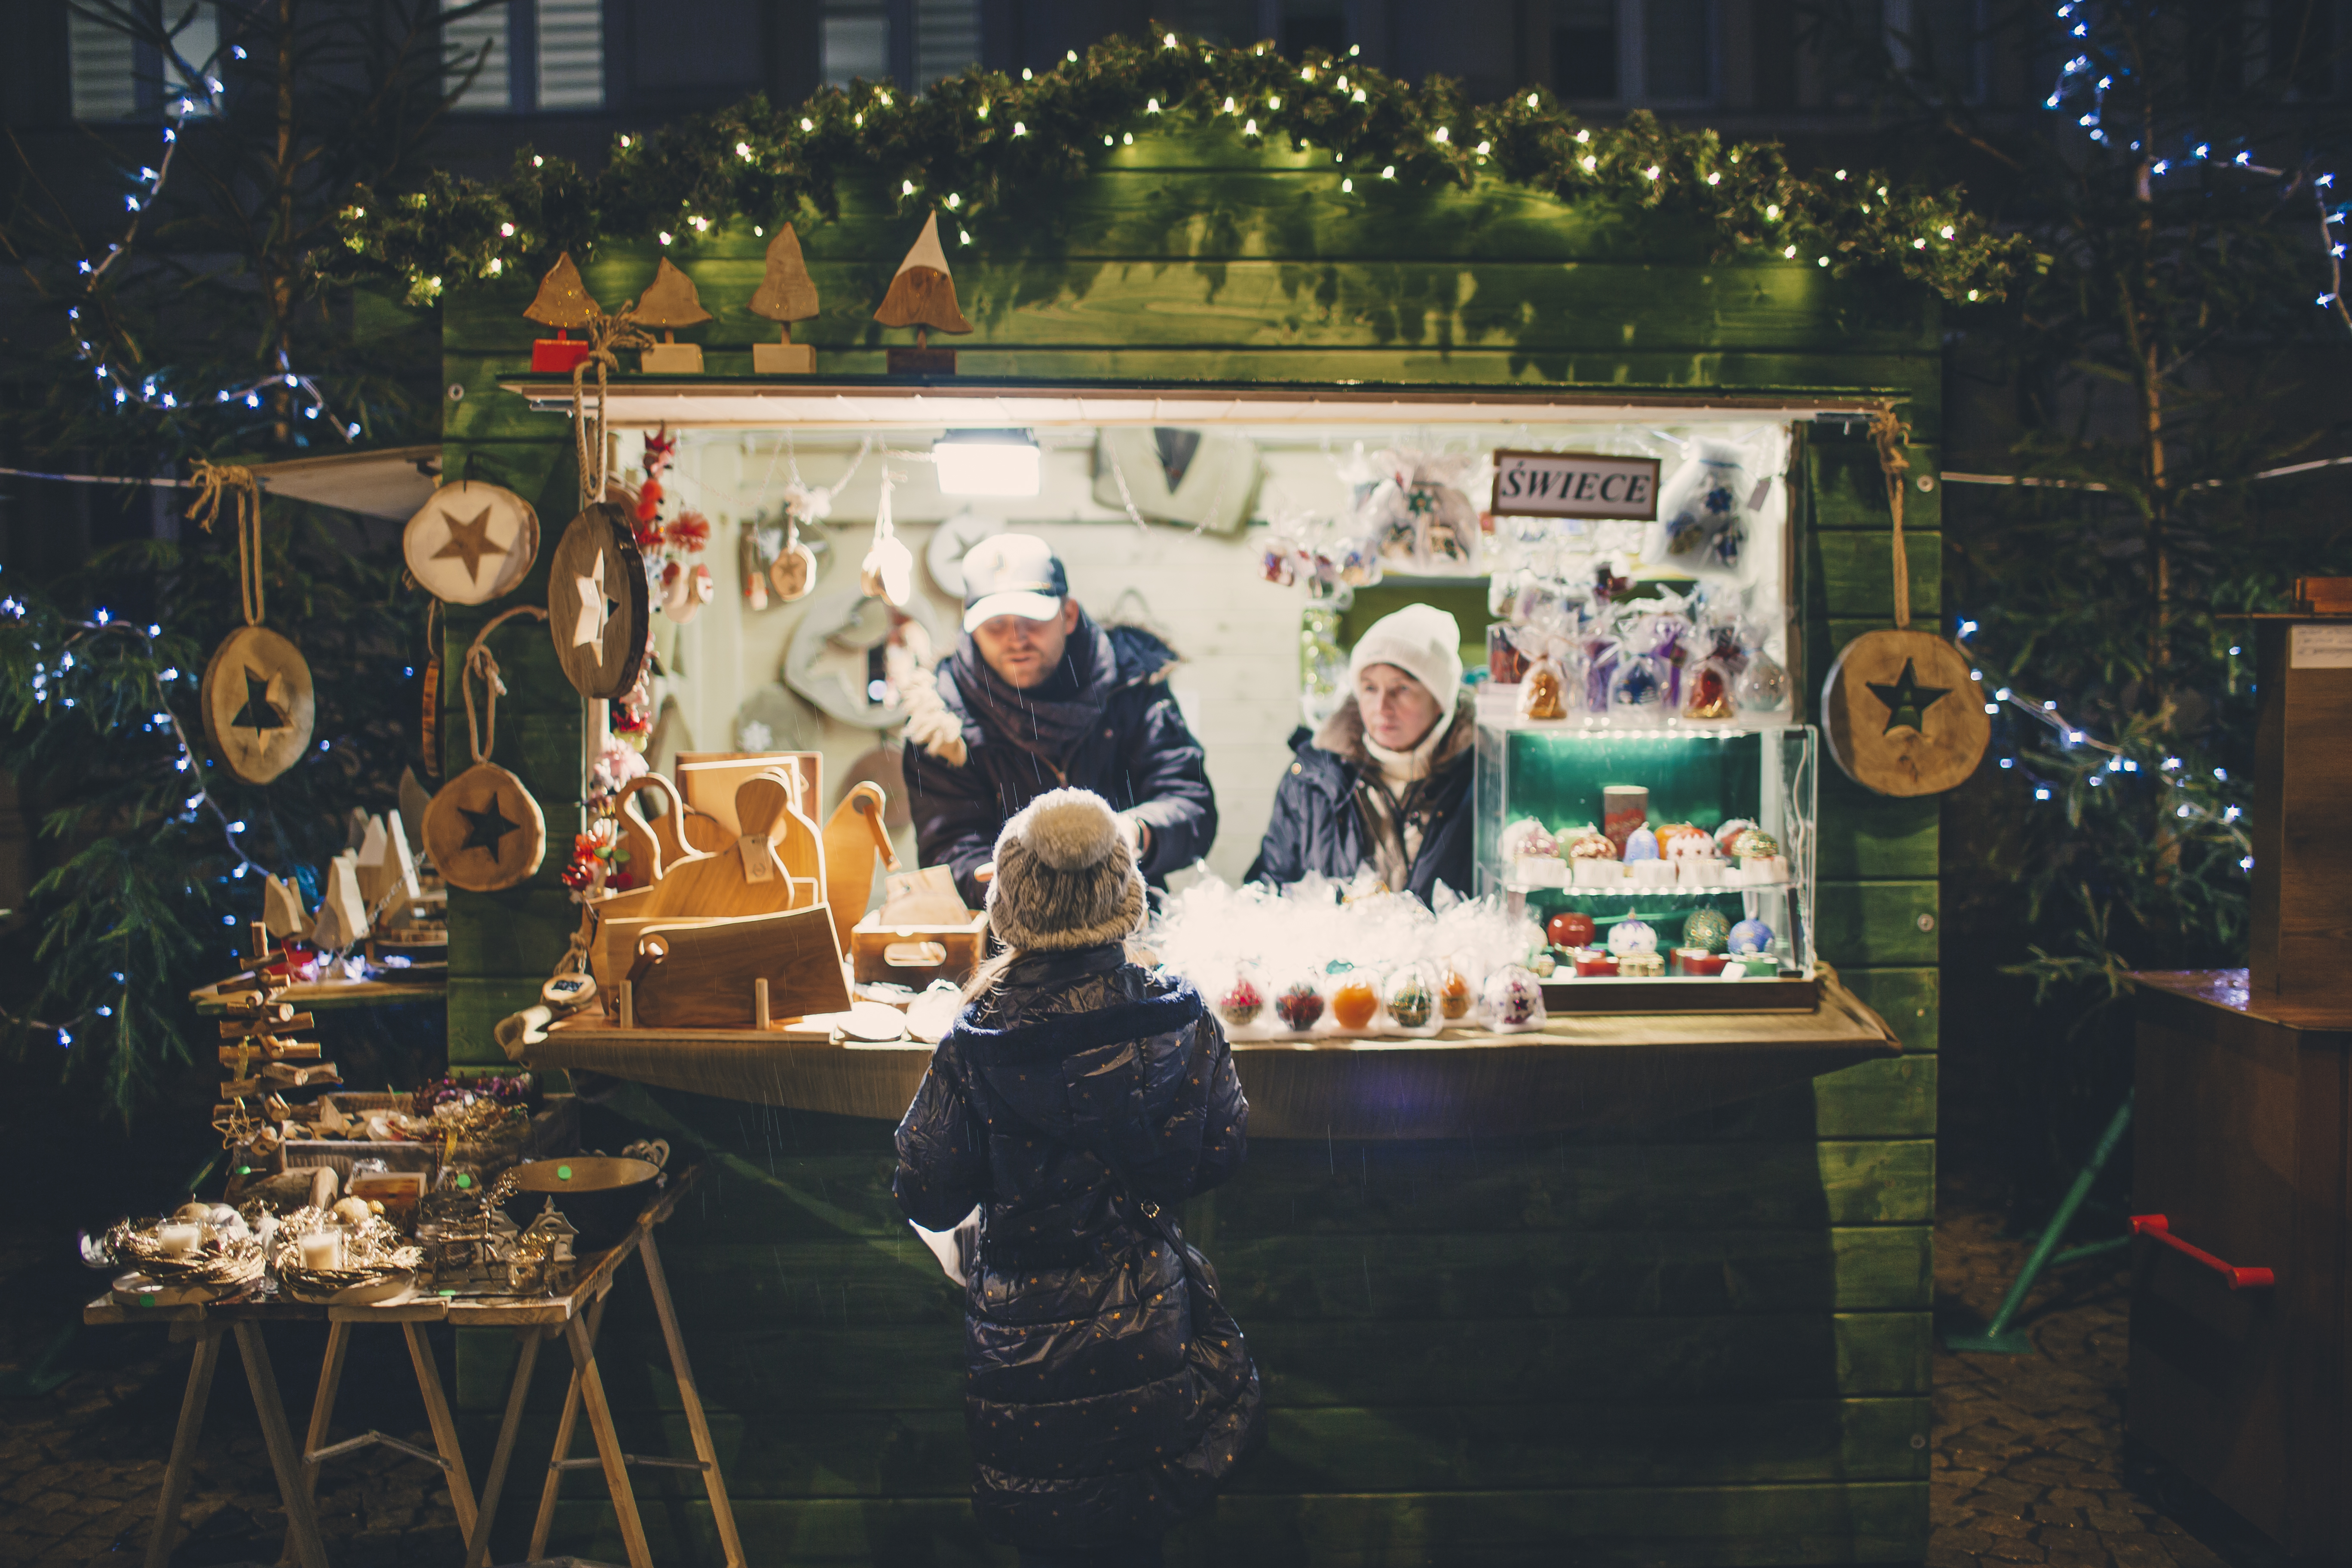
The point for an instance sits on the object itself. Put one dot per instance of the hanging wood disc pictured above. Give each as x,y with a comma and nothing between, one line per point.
597,605
1902,715
257,702
471,542
484,831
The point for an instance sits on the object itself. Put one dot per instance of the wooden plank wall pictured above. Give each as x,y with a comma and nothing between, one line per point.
1704,1342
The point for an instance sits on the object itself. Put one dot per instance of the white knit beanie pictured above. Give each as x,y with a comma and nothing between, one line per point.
1065,877
1420,639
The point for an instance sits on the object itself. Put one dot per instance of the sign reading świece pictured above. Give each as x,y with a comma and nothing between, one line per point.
1575,484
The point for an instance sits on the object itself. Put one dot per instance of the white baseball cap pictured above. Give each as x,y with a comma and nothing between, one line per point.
1013,574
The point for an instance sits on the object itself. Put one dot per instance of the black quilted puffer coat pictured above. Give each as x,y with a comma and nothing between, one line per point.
1106,1396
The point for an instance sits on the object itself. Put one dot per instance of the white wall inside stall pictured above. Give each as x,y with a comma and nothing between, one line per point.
1237,634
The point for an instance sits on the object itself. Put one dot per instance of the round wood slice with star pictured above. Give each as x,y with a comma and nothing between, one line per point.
484,831
1903,713
598,608
471,542
257,702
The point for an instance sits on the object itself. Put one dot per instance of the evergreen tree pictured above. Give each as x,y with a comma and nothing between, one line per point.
195,325
2181,342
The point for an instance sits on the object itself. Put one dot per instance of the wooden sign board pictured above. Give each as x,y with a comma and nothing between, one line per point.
2300,903
1575,484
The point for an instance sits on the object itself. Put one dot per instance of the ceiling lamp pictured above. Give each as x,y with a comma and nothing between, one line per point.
987,463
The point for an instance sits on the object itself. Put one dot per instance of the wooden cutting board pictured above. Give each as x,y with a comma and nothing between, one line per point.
706,975
749,876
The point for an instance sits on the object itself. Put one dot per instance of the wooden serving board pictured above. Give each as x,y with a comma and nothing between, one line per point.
708,975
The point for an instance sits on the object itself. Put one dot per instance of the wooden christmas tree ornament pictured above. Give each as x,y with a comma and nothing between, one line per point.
598,602
787,294
922,295
471,542
257,697
563,303
342,920
483,830
668,302
1901,710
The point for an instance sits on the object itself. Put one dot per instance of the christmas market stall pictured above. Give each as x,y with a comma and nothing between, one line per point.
1587,1206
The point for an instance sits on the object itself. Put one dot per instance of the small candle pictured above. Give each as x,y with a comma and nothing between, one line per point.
1590,960
178,1240
1699,961
323,1249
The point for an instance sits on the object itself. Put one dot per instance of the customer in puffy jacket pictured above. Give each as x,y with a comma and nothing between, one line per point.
1385,782
1037,696
1077,1101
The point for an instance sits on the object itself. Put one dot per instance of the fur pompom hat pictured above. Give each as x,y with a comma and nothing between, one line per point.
1065,876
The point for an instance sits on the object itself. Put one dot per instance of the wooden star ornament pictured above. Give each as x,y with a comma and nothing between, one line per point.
471,542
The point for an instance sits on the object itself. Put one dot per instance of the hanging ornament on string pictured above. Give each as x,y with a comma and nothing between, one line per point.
1901,710
483,830
471,542
888,570
598,602
256,695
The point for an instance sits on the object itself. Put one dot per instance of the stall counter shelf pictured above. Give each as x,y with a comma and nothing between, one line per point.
1581,1070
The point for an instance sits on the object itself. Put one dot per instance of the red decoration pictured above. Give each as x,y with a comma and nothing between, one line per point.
690,532
1569,928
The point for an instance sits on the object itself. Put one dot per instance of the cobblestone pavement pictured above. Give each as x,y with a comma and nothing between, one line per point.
2028,1462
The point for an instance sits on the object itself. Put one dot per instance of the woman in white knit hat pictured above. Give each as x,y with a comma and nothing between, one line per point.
1077,1101
1385,782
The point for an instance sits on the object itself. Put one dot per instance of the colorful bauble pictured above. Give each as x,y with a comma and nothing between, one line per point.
1242,1002
1630,936
1527,838
1728,834
1706,929
1755,845
1750,938
1299,1006
1640,845
1569,928
1354,1001
1513,999
1455,993
1590,844
1410,999
1540,963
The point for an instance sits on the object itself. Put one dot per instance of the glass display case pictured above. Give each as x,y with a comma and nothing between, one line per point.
1662,861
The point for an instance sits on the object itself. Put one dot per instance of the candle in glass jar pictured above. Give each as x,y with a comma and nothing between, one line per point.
323,1249
178,1240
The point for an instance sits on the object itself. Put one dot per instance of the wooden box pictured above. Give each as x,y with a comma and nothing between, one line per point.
916,954
2244,1145
2302,897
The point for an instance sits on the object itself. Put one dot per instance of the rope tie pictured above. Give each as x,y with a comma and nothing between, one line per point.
230,485
607,335
480,662
1890,436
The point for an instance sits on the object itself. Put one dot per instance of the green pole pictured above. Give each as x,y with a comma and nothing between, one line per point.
1996,1337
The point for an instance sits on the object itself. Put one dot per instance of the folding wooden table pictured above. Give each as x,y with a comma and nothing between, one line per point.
575,1316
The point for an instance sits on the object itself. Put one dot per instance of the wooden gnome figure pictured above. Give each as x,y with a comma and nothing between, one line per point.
670,302
922,295
563,303
787,294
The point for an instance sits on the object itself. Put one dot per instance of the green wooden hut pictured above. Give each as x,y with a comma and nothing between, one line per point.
1700,1340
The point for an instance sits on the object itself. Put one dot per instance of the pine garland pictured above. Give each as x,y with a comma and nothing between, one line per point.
970,143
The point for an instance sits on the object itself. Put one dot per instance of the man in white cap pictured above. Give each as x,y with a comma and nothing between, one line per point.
1035,697
1385,782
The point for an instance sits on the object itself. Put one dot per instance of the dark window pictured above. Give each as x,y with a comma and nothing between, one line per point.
1678,51
1585,49
2303,46
1325,31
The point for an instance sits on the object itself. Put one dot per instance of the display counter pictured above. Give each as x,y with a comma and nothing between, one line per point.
1577,1071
